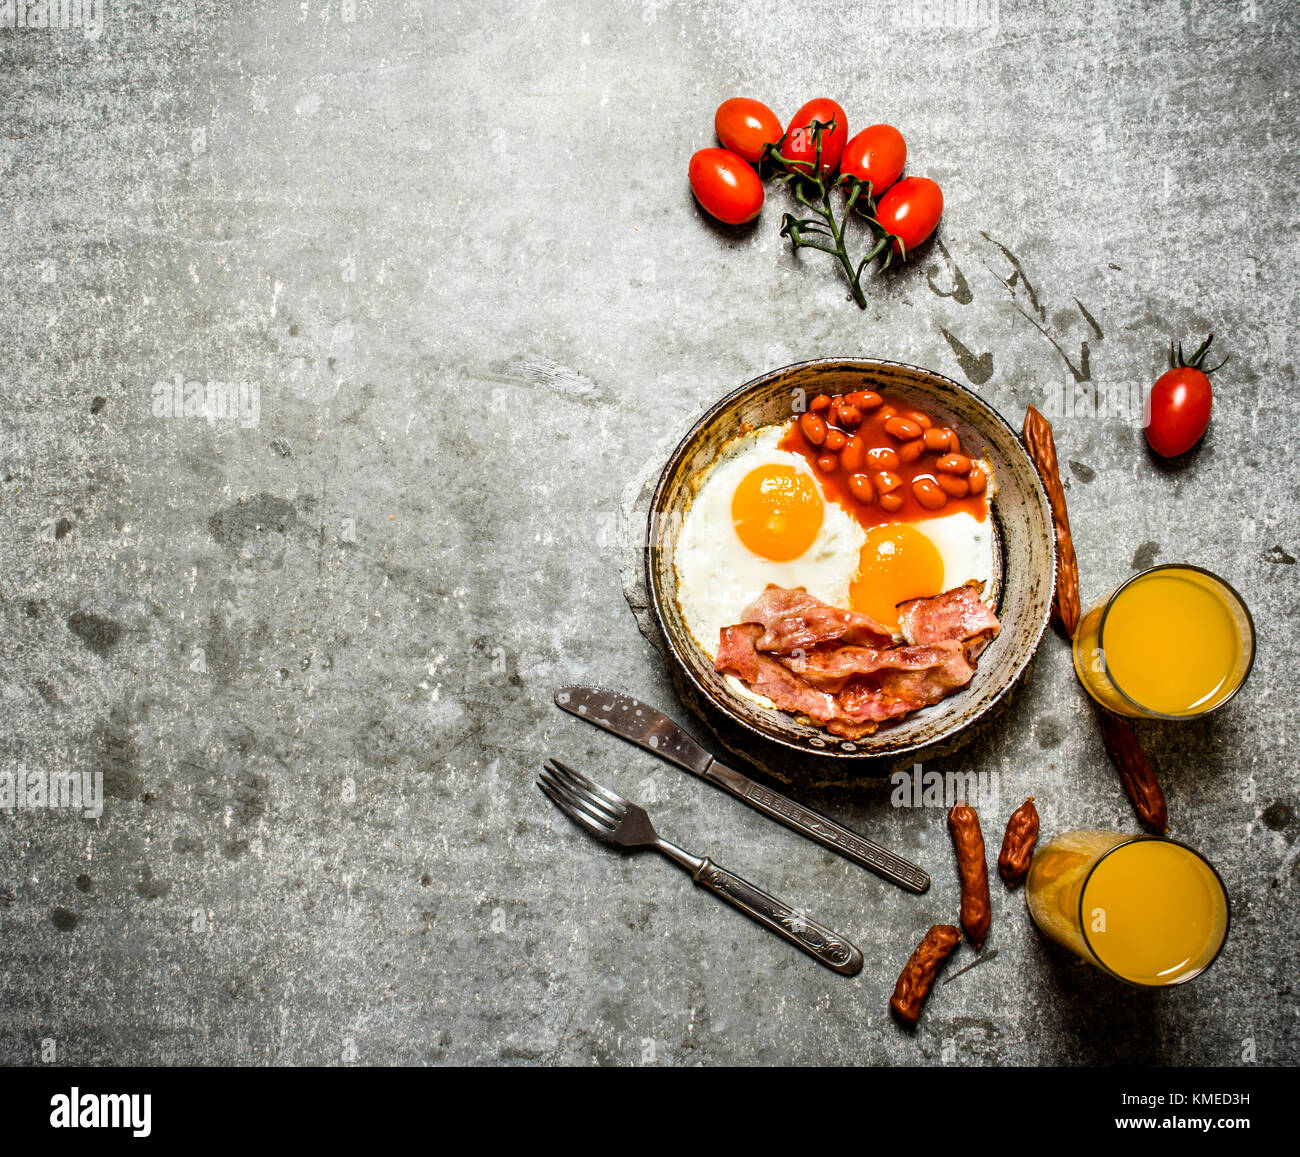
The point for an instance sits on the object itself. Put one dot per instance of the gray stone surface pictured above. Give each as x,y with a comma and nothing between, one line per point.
453,248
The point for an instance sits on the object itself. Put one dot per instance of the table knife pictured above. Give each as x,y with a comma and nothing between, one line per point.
639,723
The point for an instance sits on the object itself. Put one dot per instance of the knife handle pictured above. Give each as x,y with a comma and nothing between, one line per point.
826,832
819,942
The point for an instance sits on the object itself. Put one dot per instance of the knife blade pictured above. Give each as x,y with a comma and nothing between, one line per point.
639,723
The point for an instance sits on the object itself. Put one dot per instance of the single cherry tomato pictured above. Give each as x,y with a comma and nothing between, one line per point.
1180,403
726,186
876,154
798,143
910,211
744,126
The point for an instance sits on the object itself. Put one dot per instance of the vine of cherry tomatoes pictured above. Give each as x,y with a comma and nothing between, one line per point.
815,156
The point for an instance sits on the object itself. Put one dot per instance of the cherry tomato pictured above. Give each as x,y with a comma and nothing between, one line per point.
726,186
744,126
1180,405
798,141
910,210
876,154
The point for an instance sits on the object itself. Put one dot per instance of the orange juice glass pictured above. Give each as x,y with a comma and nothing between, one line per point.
1145,909
1172,642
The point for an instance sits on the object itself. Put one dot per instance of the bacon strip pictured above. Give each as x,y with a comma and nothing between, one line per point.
895,692
842,669
738,656
795,620
830,668
956,614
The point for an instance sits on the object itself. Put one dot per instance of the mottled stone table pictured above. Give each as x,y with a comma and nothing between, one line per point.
443,263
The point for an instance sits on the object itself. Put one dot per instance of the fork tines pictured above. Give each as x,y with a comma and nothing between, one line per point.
580,798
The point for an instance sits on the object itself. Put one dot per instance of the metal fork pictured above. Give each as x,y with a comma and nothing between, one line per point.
618,821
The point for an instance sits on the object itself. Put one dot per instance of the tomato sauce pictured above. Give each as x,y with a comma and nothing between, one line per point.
883,460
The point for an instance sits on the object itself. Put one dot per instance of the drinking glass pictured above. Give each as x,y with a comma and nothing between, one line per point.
1172,642
1146,909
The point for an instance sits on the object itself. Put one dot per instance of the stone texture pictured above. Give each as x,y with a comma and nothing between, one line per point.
312,649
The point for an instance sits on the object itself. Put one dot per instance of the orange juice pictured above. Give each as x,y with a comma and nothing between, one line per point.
1145,909
1173,642
1154,912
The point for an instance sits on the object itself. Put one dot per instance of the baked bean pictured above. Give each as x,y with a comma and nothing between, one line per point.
886,413
860,487
836,440
887,481
883,458
955,448
911,451
953,464
926,491
863,399
891,503
819,403
976,480
854,455
922,420
938,440
827,463
814,429
953,485
849,414
902,429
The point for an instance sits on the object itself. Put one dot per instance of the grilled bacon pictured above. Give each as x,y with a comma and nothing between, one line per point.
842,669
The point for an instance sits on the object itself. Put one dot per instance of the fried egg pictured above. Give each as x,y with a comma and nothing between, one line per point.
912,560
761,515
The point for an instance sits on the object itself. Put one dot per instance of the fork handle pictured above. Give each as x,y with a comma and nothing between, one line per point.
818,941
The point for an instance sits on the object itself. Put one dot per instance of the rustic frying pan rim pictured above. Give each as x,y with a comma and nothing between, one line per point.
651,551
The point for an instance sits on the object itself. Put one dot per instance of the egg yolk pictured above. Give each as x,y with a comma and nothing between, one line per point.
897,563
777,511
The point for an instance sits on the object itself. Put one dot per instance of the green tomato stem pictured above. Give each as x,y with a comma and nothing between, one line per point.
813,192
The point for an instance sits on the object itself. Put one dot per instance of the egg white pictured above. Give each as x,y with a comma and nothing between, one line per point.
966,546
718,576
